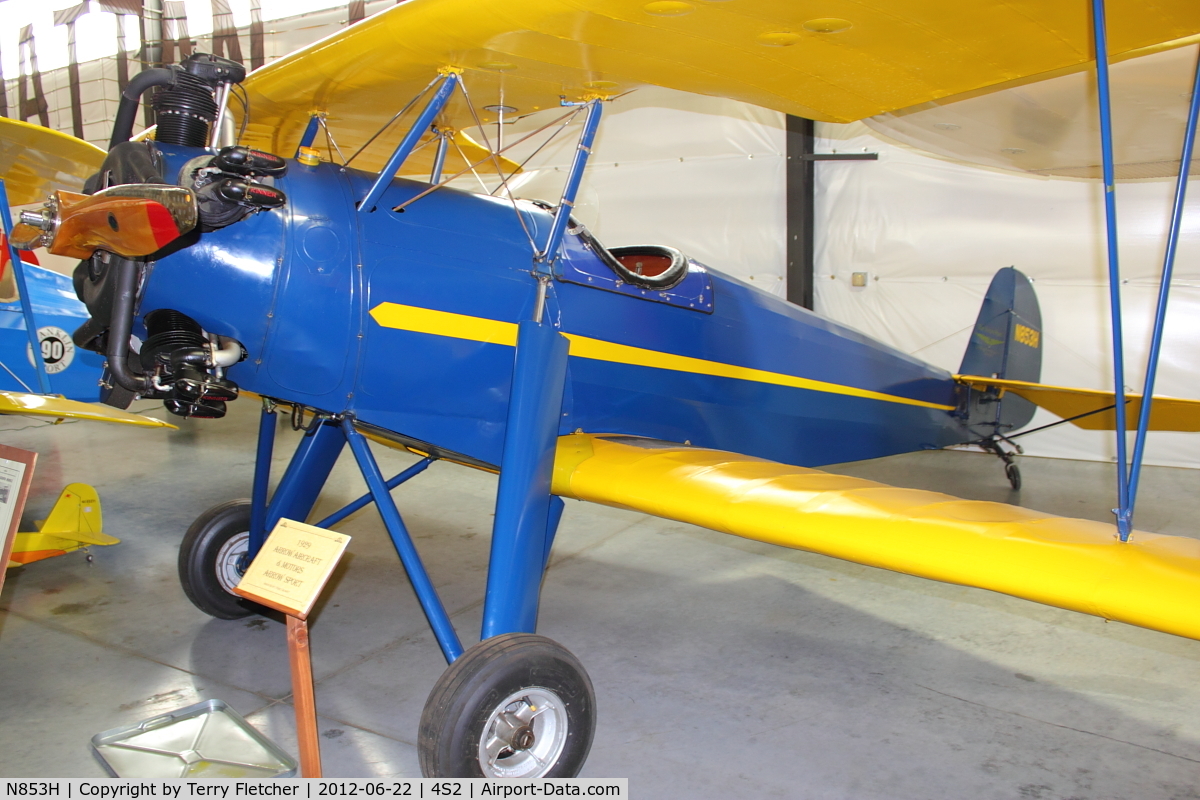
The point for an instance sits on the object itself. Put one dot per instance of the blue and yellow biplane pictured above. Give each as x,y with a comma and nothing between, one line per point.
499,333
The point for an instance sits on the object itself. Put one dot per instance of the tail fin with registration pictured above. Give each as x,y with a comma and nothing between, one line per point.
1003,366
1006,344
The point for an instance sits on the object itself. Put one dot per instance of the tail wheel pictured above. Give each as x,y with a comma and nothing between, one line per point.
212,558
514,706
1014,476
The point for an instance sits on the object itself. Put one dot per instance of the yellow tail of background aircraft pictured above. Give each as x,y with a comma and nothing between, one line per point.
75,522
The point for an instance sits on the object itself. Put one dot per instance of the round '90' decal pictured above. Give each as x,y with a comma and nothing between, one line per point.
58,351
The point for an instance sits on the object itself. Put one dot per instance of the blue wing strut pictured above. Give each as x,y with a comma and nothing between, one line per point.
1127,472
23,291
1164,289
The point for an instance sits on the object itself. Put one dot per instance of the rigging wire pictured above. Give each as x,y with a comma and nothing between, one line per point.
939,341
397,116
567,121
244,99
495,161
463,156
462,172
1007,436
494,157
332,143
17,379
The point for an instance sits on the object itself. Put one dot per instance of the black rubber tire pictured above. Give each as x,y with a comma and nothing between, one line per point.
1014,476
452,724
198,560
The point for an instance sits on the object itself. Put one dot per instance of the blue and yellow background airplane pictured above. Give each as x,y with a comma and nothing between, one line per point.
35,161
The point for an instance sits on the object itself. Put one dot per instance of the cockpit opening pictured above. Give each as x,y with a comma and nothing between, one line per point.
649,266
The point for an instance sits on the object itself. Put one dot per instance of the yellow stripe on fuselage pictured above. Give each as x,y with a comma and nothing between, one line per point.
444,323
490,331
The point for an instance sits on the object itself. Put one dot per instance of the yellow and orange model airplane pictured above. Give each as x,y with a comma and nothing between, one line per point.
75,522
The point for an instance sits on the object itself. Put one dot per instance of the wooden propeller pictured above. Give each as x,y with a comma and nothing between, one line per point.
131,220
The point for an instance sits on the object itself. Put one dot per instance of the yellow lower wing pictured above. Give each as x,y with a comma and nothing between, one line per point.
474,153
1152,581
60,408
1166,413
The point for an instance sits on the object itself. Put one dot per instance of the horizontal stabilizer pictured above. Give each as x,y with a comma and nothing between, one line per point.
1093,409
41,405
1152,581
30,547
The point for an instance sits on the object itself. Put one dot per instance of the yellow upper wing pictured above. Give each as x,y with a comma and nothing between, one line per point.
1049,127
836,60
41,405
1153,580
1166,413
34,161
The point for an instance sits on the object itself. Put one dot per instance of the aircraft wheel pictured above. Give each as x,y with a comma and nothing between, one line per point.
1014,476
210,560
517,705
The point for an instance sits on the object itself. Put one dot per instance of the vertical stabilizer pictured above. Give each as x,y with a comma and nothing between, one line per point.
77,511
1006,343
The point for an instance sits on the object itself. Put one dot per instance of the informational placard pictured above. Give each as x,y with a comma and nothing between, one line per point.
293,567
16,473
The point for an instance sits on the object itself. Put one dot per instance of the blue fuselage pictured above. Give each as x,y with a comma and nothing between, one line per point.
403,320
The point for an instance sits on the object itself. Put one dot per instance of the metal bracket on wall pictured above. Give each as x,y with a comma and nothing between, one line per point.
801,199
840,157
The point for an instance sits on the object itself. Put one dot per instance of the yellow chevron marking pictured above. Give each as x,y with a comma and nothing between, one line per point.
444,323
490,331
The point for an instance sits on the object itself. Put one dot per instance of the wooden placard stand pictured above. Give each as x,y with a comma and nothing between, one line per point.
288,575
16,475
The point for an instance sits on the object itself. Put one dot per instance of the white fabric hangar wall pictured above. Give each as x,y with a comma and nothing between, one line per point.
707,176
701,174
930,233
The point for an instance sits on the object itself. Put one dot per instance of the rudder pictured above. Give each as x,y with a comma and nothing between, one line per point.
1006,343
76,512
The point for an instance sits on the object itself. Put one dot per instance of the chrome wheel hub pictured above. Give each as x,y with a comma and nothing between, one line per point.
524,736
230,558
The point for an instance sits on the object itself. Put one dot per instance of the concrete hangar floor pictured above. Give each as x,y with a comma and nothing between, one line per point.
722,667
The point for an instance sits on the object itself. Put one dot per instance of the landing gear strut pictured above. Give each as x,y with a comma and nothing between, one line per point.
993,445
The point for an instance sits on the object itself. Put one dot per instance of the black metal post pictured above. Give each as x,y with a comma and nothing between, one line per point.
800,201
